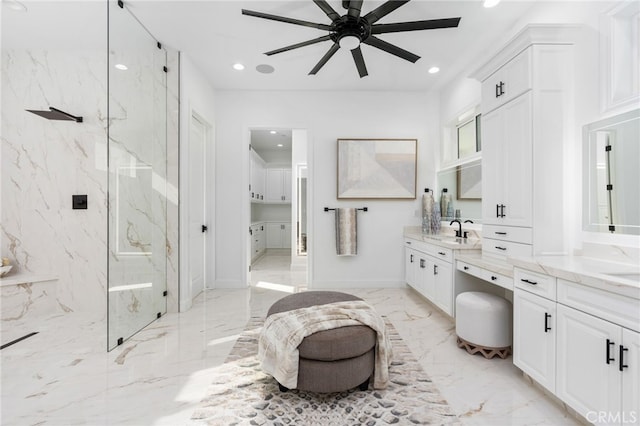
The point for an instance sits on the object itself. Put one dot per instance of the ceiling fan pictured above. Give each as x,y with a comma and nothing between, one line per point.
349,31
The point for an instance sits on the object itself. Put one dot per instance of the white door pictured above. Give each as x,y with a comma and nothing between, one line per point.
534,337
410,262
587,362
197,197
274,192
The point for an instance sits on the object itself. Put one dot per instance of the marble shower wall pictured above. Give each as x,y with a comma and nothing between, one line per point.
45,162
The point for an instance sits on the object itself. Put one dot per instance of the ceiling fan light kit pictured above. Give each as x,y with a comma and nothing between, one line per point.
351,30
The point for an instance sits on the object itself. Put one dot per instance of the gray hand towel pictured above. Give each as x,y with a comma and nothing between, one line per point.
346,234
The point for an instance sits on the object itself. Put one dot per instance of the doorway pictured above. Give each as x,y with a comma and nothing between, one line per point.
277,160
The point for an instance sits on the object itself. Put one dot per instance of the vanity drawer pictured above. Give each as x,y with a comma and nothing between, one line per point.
497,279
508,233
621,310
485,274
505,248
430,249
469,269
541,284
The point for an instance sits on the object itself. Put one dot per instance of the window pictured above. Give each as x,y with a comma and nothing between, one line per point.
468,137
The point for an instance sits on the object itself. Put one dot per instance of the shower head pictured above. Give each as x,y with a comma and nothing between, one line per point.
56,114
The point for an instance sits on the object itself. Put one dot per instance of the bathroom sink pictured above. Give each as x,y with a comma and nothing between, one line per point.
633,276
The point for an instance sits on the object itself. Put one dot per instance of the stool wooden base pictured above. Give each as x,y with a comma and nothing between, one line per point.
485,351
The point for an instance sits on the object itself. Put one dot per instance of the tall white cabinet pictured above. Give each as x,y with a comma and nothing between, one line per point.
526,121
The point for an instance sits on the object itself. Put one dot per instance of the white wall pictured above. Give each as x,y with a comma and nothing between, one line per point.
196,95
327,116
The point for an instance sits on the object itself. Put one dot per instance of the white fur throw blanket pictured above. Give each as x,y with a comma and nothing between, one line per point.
283,332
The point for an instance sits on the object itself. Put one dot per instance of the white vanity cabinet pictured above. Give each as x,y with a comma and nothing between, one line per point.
534,327
598,364
278,183
429,270
582,343
526,106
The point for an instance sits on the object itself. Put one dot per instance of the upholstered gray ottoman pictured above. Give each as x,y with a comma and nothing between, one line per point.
331,360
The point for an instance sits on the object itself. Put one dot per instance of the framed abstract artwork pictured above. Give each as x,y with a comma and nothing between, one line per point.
377,168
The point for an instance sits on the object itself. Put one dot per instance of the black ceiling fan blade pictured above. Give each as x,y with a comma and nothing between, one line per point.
297,45
332,51
431,24
390,48
355,6
359,60
383,10
326,8
285,19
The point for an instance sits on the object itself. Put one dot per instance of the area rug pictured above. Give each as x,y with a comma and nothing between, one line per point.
242,394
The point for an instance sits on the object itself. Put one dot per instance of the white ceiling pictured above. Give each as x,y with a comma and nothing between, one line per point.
262,140
215,35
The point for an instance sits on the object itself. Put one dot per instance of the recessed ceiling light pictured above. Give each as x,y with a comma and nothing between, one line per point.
279,145
122,67
433,70
15,5
265,69
490,3
273,132
238,67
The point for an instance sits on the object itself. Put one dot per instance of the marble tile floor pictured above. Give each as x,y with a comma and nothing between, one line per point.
63,376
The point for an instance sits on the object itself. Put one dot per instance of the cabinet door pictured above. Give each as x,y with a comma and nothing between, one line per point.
534,337
517,148
424,280
507,189
510,81
410,265
274,235
492,171
286,235
588,379
443,283
630,376
286,185
274,185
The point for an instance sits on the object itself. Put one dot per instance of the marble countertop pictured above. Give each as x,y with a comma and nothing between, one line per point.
443,239
619,278
491,264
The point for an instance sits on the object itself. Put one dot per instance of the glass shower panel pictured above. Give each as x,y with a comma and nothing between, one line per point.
137,152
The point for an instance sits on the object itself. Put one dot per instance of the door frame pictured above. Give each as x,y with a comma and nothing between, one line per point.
185,296
246,209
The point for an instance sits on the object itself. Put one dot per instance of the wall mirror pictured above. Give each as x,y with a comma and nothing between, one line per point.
464,187
611,184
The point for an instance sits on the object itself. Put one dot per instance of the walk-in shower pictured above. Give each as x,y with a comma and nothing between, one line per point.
137,187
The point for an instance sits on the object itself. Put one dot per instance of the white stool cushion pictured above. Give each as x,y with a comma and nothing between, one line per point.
484,319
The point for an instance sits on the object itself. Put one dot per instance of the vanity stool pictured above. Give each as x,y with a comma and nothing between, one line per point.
484,324
331,360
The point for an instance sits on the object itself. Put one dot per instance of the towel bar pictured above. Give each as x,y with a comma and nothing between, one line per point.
364,209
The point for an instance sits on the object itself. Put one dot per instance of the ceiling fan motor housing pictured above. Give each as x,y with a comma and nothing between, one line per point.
350,26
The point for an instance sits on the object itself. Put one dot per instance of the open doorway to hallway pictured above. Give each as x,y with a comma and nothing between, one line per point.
278,231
